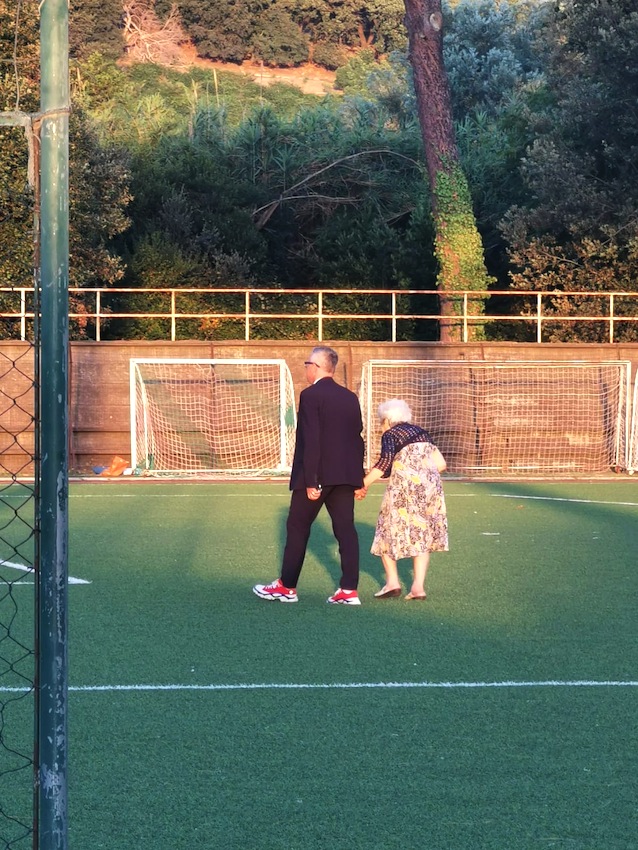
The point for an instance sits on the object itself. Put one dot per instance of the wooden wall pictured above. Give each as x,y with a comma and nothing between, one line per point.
99,412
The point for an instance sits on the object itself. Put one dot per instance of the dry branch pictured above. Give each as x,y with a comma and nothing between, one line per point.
150,40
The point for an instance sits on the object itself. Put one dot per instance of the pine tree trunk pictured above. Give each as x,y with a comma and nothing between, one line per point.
458,243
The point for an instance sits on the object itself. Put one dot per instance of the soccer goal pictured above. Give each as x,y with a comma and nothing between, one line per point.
508,418
211,417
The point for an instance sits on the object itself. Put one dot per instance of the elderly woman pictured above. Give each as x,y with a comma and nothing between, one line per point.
412,521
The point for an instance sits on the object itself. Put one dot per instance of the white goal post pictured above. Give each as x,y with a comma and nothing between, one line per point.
211,417
632,453
508,417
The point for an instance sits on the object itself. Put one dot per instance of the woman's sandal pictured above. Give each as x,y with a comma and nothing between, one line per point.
420,597
387,594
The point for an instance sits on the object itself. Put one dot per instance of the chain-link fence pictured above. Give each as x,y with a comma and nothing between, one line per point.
17,594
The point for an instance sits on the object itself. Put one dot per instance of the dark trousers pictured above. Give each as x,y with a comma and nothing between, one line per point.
339,502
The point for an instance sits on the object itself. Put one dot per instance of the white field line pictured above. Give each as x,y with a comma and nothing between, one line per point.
559,499
343,686
25,569
286,495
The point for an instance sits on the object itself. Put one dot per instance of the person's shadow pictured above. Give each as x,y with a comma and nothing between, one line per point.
323,546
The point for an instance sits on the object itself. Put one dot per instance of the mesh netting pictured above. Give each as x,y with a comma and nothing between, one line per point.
498,418
212,417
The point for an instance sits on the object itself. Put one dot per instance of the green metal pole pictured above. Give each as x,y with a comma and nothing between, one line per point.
52,673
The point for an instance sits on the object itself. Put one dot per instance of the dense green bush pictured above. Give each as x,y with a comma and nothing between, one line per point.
278,40
95,26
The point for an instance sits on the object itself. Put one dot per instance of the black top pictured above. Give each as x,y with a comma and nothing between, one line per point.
396,438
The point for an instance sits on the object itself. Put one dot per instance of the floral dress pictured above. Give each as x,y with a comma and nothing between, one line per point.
413,518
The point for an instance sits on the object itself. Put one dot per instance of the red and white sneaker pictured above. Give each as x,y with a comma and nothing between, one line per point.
345,597
276,591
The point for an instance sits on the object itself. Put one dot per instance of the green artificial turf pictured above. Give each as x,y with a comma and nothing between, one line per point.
498,714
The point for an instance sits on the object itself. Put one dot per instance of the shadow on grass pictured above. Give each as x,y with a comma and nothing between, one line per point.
324,549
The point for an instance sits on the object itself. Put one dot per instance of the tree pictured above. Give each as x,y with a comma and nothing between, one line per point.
374,23
19,95
99,195
95,26
578,229
278,40
219,30
458,246
98,184
490,53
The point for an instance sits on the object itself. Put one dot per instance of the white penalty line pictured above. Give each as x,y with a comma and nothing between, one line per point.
324,686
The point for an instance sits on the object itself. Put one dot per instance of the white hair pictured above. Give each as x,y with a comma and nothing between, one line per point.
394,411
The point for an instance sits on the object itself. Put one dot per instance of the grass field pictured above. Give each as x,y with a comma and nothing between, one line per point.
500,714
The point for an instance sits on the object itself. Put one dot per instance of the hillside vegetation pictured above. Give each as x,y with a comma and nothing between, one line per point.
195,176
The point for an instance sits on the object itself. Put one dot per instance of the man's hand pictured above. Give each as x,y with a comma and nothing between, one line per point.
313,493
360,493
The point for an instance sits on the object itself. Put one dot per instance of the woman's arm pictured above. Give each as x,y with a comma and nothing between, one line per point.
372,476
438,460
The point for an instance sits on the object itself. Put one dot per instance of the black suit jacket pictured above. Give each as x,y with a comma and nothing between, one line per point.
329,446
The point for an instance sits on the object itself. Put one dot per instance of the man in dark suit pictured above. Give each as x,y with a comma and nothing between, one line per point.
327,469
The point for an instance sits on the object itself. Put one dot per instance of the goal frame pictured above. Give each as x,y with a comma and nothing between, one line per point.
287,417
621,438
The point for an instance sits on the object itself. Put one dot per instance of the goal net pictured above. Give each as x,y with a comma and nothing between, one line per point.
508,418
632,453
211,417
